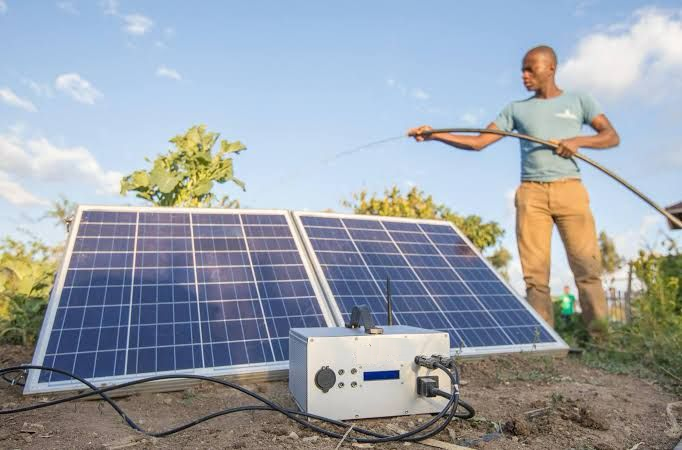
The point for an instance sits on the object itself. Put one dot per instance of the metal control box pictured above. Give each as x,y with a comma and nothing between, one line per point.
345,373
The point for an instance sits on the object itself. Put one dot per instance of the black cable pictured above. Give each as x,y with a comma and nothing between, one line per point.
412,435
584,158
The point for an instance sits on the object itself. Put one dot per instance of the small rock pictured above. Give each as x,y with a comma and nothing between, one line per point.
515,438
293,435
310,438
168,401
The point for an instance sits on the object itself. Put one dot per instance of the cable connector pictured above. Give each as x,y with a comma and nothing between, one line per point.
447,361
425,361
427,386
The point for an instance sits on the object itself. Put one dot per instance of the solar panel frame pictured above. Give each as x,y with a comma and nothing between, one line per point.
35,386
559,346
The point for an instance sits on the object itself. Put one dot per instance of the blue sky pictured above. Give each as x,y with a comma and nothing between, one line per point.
88,89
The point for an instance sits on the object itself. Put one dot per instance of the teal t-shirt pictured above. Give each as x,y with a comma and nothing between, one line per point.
556,118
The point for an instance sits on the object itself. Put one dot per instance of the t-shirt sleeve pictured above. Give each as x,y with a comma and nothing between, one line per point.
591,108
505,119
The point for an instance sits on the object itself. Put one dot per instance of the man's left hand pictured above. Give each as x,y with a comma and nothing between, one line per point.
567,148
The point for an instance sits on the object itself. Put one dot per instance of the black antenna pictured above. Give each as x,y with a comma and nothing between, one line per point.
388,300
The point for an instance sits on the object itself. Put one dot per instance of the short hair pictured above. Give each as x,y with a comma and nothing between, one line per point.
545,50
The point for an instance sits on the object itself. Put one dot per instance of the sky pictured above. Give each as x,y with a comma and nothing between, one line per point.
89,89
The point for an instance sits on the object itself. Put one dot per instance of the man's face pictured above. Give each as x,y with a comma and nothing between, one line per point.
566,290
536,70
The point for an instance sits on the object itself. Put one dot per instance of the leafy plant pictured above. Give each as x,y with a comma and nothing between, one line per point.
26,274
186,175
415,203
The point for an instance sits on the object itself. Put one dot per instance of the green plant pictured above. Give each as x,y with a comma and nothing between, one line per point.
186,175
26,273
486,236
653,339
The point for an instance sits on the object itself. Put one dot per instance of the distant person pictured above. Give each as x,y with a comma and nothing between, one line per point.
551,191
567,303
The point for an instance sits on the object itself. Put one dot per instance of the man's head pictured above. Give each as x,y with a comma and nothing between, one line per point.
567,290
538,68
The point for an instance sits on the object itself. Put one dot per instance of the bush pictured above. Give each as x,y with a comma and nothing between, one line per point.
26,274
653,339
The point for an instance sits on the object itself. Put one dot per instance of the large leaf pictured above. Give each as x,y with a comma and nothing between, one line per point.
203,188
231,147
163,180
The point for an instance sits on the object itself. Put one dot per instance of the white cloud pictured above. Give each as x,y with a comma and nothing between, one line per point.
39,89
10,98
3,7
472,117
110,7
78,88
41,161
167,72
635,57
68,7
15,194
137,24
420,94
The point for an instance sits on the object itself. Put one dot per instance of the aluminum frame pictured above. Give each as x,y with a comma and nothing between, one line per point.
559,346
33,386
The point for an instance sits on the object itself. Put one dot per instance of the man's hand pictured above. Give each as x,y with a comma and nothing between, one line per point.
416,133
567,148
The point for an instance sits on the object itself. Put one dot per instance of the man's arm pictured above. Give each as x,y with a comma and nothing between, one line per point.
461,141
606,137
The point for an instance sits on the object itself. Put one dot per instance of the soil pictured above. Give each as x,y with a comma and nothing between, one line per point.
522,402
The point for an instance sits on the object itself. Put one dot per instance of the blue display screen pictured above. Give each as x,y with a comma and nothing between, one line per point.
381,375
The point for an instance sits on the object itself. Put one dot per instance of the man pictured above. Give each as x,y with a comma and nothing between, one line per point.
551,191
567,304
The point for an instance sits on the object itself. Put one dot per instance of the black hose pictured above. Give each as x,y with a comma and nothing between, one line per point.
449,412
677,222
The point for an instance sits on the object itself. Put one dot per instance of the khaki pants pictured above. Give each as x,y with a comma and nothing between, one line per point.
565,203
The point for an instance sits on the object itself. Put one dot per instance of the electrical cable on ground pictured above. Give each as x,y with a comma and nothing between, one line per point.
448,413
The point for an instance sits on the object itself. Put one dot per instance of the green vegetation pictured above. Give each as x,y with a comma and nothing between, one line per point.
186,175
26,274
652,341
486,236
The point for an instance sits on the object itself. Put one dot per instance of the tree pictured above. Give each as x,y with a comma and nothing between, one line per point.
186,175
611,260
415,203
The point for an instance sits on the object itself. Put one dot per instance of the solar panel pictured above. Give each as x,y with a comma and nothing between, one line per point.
438,281
145,291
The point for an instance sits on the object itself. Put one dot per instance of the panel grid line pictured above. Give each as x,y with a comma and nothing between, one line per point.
466,285
255,282
421,282
378,286
132,290
196,292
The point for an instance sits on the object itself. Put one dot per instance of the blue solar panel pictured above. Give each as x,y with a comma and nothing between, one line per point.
152,290
438,281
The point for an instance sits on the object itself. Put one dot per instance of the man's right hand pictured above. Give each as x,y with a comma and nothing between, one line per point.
417,133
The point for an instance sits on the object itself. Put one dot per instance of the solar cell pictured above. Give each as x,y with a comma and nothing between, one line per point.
157,290
438,281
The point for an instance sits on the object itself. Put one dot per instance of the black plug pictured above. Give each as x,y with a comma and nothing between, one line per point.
429,363
427,386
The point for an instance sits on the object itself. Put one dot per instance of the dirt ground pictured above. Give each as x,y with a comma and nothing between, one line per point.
521,402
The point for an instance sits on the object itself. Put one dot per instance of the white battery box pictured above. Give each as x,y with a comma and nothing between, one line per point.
346,373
